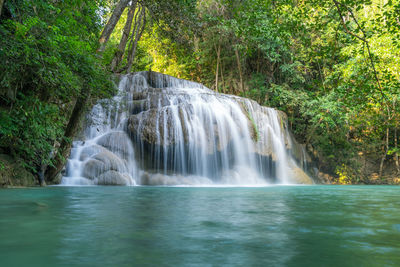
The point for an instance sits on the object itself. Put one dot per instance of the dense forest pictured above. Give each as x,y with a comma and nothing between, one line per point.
333,66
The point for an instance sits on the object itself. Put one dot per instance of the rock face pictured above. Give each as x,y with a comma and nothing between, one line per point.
299,176
163,130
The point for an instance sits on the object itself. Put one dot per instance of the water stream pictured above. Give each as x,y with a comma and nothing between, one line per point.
160,130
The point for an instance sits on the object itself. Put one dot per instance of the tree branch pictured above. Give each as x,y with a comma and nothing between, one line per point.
364,39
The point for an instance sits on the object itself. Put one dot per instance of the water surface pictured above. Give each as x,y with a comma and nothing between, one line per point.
171,226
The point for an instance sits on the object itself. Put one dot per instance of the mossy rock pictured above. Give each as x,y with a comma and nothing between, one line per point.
12,173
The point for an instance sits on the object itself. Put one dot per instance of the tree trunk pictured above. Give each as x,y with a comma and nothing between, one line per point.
124,39
137,33
222,76
41,174
240,69
218,50
73,125
1,6
386,151
108,29
396,155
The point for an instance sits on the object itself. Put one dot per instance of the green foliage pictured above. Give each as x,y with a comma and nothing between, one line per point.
30,129
338,84
48,54
337,78
346,175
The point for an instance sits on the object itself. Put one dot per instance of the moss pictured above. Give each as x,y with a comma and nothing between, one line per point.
256,133
12,173
256,136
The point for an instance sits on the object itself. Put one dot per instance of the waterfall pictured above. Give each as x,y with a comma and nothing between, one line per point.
161,130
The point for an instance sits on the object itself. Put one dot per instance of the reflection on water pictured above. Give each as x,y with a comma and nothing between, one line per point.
270,226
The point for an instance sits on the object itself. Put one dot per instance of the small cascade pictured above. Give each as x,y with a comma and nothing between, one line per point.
106,155
161,130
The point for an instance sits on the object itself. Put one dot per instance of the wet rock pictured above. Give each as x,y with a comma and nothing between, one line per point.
93,168
139,95
137,106
325,178
89,151
162,179
111,161
103,162
118,142
298,152
113,178
145,127
298,176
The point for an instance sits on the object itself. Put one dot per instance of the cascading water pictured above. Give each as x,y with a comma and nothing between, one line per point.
160,130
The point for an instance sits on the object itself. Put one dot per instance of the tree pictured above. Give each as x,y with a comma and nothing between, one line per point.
49,50
1,5
116,61
108,29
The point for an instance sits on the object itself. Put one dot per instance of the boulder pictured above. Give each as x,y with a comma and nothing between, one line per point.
113,178
90,151
102,162
117,142
93,168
